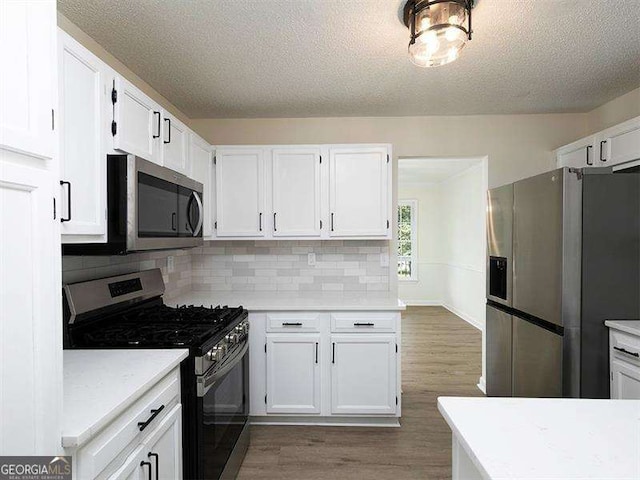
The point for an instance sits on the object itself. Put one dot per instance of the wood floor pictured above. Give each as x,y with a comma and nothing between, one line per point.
441,355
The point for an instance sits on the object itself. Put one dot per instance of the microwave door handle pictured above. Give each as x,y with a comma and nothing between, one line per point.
196,230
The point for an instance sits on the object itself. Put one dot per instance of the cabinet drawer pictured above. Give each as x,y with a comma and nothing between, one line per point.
363,322
293,322
625,347
124,430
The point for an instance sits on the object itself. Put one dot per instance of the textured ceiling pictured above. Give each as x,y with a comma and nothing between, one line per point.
310,58
421,171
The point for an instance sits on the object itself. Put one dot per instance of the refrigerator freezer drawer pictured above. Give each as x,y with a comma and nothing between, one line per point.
498,337
537,361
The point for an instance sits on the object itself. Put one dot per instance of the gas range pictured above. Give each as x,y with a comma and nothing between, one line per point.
127,311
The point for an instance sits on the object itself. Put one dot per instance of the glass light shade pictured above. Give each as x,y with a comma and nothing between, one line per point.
440,34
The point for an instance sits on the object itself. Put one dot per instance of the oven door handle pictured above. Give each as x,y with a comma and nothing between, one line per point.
207,381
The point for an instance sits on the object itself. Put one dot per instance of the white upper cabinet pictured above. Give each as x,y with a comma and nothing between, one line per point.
201,161
175,141
363,374
293,373
577,155
620,144
137,122
27,80
84,100
296,192
240,186
359,195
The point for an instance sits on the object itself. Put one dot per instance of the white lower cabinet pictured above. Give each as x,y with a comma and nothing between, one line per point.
363,374
625,380
293,373
624,364
306,367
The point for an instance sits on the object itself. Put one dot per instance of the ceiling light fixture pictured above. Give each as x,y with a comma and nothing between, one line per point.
439,30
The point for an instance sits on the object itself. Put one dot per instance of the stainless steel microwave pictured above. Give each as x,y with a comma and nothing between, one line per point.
149,207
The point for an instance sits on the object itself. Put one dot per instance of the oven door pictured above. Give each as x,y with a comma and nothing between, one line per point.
223,413
164,208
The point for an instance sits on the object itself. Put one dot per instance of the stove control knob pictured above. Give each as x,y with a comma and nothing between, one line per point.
216,353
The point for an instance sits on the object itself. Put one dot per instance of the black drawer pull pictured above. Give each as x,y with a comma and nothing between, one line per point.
154,414
316,352
168,141
589,147
633,354
146,464
602,144
291,324
157,459
159,126
356,324
68,218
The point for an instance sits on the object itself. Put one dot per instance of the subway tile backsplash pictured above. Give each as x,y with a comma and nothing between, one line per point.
341,266
348,266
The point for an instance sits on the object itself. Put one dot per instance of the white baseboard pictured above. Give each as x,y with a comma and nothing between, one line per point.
422,303
325,421
482,386
467,318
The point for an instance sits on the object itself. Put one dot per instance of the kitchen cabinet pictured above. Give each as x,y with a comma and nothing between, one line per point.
293,373
175,141
137,122
624,359
84,100
363,374
296,192
201,160
30,277
359,192
240,192
617,146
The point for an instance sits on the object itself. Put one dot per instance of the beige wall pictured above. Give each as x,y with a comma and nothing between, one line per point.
72,29
518,146
616,111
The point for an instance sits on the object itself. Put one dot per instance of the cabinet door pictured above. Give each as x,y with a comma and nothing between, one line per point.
164,447
201,161
621,144
138,123
363,374
27,56
577,156
359,192
83,100
175,141
136,467
625,380
240,192
293,373
296,192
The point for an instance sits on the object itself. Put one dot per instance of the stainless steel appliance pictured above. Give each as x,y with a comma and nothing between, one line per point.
563,256
149,207
127,311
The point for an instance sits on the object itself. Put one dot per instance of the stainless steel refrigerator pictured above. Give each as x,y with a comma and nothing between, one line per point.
563,257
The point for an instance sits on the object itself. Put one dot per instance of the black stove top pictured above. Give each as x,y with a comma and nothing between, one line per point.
157,326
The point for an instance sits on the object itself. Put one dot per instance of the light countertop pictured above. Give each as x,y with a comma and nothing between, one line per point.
527,438
100,384
628,326
283,301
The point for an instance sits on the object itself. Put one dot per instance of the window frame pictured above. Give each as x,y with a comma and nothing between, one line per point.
413,204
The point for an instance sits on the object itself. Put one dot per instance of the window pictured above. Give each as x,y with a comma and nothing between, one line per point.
407,240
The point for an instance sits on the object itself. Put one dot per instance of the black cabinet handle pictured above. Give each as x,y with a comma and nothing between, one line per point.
316,352
173,221
291,324
356,324
633,354
589,147
68,218
332,222
260,220
154,414
274,222
333,353
157,459
159,127
146,464
603,142
168,120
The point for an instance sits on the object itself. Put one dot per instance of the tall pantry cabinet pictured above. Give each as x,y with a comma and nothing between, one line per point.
30,278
